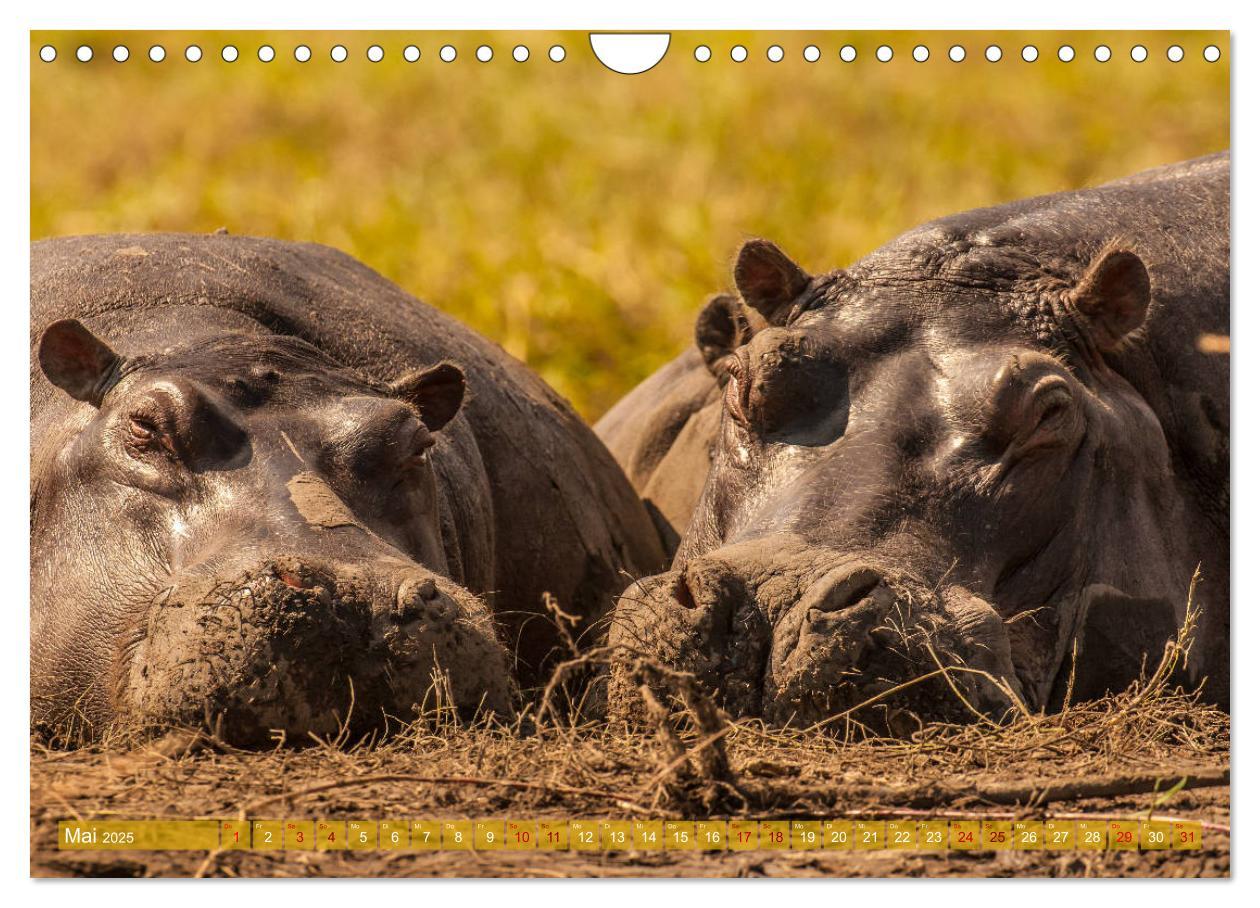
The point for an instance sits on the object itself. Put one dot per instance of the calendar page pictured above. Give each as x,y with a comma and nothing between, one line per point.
679,452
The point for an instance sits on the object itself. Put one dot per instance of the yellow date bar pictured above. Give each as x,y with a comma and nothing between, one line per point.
625,835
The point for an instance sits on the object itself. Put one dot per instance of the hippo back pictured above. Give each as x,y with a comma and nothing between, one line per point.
662,434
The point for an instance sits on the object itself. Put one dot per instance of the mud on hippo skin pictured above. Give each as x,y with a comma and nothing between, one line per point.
987,445
796,634
310,650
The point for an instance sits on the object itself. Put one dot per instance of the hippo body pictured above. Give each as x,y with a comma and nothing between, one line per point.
995,441
257,500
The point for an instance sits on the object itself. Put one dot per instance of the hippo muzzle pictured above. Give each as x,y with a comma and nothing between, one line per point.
295,647
803,647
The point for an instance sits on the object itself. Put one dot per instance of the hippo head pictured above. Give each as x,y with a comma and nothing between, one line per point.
240,531
919,477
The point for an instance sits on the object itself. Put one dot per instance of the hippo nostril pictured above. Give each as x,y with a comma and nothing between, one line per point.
857,586
411,593
682,591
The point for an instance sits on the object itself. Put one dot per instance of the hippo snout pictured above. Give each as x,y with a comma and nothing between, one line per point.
295,646
798,647
877,645
699,619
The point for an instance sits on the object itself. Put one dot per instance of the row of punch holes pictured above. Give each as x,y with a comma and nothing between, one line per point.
703,53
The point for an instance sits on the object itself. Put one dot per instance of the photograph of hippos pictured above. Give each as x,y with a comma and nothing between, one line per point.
272,492
998,444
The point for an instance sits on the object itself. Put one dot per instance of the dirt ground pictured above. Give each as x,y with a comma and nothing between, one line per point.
1145,753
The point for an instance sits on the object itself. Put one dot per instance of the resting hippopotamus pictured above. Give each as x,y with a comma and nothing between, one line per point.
272,491
992,443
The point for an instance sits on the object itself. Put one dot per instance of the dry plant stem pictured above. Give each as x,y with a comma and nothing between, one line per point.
701,746
1024,794
598,656
675,753
710,752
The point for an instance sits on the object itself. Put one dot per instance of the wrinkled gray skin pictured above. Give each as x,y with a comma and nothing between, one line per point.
990,441
266,481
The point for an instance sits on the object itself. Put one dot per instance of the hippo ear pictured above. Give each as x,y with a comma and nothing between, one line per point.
437,393
721,328
77,361
768,280
1113,297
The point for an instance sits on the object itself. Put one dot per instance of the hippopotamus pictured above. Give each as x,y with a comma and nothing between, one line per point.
976,471
273,492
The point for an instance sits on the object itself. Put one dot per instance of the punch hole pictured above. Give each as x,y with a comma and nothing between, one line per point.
812,54
883,53
1102,53
121,54
229,54
774,53
447,53
411,53
1067,53
157,53
1211,53
958,53
485,53
83,53
1030,53
375,53
739,53
848,53
48,53
627,53
339,53
556,53
302,53
520,53
703,54
192,53
266,53
920,54
1175,53
1138,53
993,53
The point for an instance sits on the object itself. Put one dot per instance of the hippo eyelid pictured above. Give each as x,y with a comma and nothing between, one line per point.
1051,393
1048,415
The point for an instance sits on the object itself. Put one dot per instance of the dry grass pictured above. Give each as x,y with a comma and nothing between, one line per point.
1153,750
597,771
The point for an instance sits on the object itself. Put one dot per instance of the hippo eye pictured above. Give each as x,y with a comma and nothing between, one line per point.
144,434
141,429
1054,409
418,450
1052,401
792,392
1050,415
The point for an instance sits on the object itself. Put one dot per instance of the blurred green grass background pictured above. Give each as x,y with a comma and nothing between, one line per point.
574,215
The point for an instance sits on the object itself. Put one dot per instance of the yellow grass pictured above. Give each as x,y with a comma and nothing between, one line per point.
574,215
